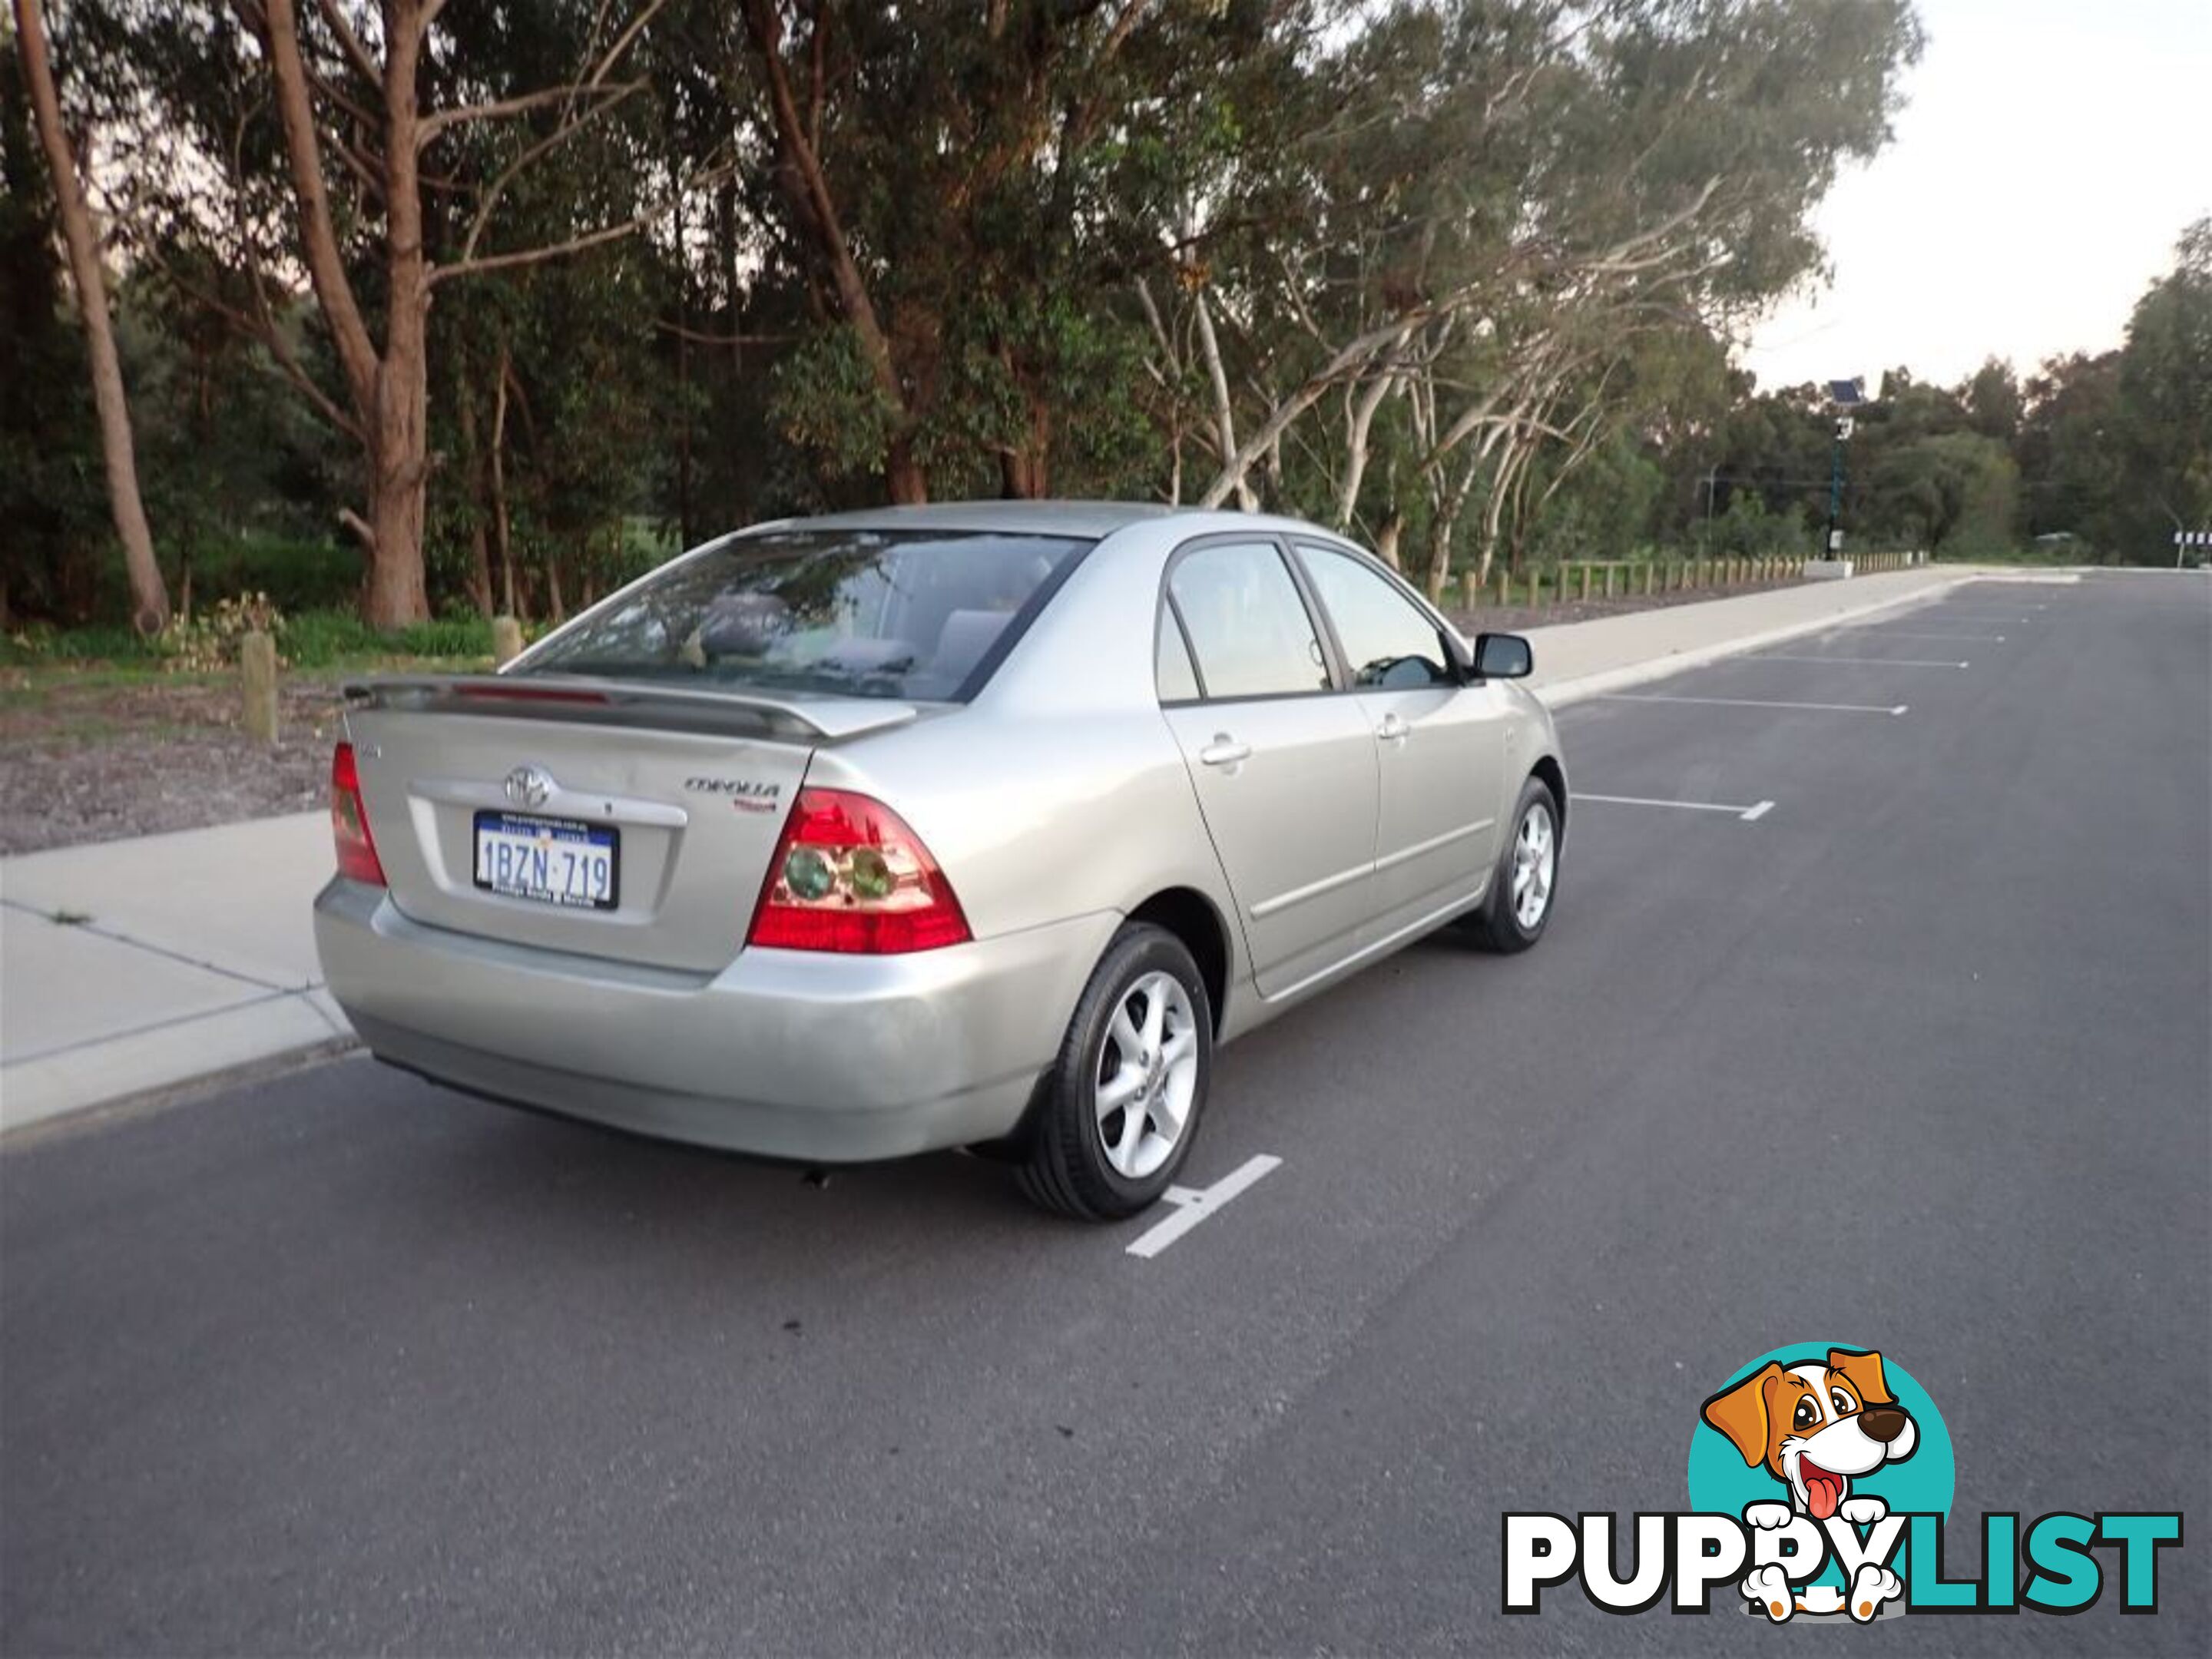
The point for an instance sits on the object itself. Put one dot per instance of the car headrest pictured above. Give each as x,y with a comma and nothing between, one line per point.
968,635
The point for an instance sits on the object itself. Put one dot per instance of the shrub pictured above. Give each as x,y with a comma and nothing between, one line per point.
296,575
208,639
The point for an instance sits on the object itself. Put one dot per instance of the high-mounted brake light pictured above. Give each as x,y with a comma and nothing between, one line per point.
849,875
356,847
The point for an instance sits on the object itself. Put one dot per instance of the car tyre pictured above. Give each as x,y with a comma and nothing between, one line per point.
1115,1115
1524,887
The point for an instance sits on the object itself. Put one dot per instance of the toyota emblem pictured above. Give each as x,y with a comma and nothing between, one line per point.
529,786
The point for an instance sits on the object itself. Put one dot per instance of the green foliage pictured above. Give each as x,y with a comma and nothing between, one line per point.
1750,529
327,639
295,572
825,401
1036,200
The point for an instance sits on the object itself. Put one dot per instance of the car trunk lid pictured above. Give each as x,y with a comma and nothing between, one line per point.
684,792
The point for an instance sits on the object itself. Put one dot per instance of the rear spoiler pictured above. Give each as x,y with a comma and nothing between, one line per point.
593,700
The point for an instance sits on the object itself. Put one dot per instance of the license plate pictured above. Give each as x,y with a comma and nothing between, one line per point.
547,861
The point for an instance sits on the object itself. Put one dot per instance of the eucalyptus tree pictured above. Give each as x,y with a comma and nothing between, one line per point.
378,151
88,275
963,195
1510,193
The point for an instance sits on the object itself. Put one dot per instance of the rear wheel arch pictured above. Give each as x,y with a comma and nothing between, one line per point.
1191,917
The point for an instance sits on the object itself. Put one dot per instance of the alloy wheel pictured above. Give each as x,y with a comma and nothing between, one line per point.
1535,857
1147,1075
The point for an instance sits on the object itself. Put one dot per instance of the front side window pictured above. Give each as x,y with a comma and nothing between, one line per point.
1248,625
870,613
1390,642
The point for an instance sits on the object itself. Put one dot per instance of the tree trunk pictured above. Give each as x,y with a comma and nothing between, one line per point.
1386,537
400,438
473,471
902,474
1026,469
501,540
1225,415
1362,402
807,188
150,596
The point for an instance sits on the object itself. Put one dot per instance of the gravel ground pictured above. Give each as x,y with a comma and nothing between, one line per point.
87,759
89,756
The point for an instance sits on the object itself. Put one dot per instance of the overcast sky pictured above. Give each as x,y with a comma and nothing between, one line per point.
2050,153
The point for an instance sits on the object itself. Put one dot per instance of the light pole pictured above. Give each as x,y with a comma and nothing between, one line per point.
1841,395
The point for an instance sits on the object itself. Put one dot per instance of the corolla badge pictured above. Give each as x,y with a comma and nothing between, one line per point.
529,786
746,794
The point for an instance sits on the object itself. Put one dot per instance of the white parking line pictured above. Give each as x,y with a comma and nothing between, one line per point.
1194,1203
1756,703
1899,634
1748,814
1877,662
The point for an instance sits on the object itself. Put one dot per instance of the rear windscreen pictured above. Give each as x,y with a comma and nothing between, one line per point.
871,613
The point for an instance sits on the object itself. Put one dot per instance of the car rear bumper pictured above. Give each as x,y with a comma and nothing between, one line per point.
785,1054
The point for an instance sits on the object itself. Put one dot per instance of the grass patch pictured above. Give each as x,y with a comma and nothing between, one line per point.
312,641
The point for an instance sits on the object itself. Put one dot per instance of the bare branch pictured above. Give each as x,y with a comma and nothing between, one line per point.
360,527
325,263
697,336
614,54
501,109
350,43
497,189
519,258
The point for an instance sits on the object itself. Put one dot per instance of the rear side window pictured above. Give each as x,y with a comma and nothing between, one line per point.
1390,642
1246,623
869,613
1171,666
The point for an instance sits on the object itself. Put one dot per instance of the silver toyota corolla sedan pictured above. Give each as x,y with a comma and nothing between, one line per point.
982,825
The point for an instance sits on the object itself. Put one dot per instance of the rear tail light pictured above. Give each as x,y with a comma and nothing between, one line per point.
849,875
356,847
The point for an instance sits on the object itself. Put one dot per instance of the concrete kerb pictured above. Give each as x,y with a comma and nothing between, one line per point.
1566,693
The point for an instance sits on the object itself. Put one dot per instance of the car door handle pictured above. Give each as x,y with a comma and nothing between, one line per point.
1393,730
1224,750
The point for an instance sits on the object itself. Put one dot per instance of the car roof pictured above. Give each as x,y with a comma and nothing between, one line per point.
1091,520
1094,520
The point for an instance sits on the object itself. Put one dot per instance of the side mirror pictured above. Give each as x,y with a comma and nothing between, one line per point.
1503,657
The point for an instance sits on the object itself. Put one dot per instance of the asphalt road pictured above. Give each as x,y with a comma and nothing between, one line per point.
1919,1058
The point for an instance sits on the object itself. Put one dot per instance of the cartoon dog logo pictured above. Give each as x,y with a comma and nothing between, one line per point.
1814,1427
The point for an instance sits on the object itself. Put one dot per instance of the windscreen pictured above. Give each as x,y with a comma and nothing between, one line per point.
871,613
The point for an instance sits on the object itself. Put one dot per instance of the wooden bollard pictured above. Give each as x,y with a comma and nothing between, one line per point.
1473,585
1586,581
1535,590
257,666
506,640
1608,581
1504,588
1650,574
